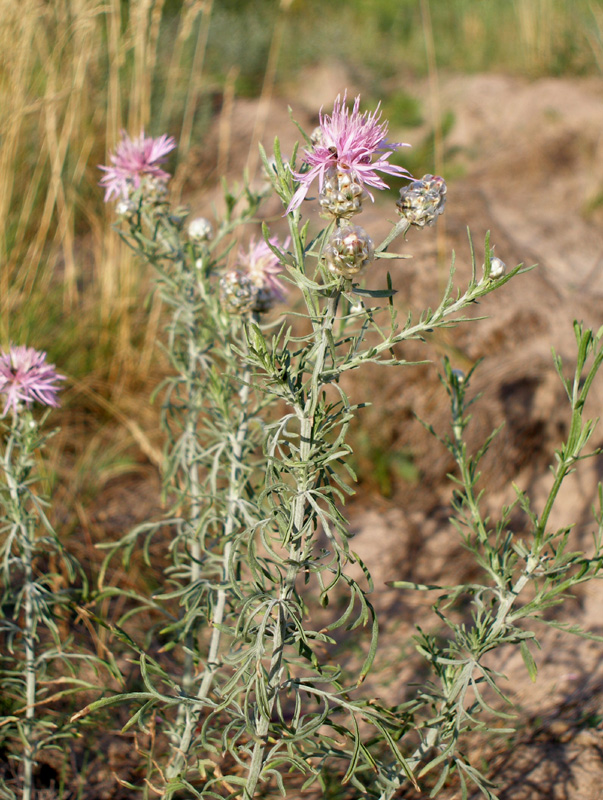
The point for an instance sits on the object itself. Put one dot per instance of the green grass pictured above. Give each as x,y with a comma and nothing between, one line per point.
533,37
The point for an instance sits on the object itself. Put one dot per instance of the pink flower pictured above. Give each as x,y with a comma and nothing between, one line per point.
132,160
348,141
26,377
264,267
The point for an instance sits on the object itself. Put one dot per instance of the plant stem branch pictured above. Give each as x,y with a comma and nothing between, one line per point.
27,545
191,713
296,543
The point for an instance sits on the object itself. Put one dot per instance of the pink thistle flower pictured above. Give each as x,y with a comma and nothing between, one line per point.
348,141
26,377
264,267
133,159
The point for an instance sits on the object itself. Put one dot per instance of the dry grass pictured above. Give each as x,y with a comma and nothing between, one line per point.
74,74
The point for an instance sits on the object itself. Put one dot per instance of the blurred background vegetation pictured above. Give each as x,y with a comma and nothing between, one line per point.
75,72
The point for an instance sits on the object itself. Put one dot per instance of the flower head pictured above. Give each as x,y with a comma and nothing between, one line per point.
421,202
264,267
254,284
134,159
348,141
341,195
238,292
349,251
26,377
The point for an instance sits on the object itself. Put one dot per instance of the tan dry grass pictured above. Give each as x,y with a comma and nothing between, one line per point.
73,74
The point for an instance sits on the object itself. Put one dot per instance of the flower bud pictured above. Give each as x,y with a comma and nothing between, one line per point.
422,201
238,292
341,194
348,251
200,230
459,375
497,268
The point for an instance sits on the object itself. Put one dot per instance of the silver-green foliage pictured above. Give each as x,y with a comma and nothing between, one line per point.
258,468
523,576
36,588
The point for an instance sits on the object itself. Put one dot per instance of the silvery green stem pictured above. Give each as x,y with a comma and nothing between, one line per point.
511,597
26,536
30,667
195,574
459,452
191,714
231,518
433,735
276,667
298,247
399,229
431,320
501,628
194,513
306,418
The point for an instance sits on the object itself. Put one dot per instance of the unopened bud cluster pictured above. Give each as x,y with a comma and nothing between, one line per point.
421,202
154,190
242,295
342,193
348,251
238,292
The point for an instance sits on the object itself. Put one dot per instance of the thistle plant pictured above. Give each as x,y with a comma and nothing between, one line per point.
30,593
343,148
209,414
257,473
